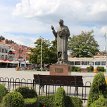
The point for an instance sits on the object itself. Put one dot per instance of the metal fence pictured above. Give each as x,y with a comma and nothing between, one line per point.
13,83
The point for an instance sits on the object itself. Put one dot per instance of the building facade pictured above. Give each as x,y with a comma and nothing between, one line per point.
13,53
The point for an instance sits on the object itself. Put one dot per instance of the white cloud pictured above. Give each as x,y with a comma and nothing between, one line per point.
104,29
31,8
36,17
75,11
98,7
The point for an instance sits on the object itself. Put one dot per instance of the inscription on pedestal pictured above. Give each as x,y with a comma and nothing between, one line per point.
59,70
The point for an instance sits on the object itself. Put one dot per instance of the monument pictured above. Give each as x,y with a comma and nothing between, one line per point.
61,35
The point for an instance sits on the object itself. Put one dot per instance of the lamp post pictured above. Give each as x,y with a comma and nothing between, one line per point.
106,50
41,51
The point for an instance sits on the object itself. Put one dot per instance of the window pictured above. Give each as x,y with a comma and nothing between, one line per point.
2,57
77,62
97,63
103,62
84,63
72,63
6,57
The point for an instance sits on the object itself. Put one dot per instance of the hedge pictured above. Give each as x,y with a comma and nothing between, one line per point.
98,88
30,102
59,98
48,101
101,102
90,69
26,92
100,69
75,69
13,99
3,91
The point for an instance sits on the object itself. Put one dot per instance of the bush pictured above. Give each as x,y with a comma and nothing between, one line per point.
77,102
75,69
73,102
3,91
98,87
59,100
101,102
26,92
48,101
30,102
90,69
13,99
100,69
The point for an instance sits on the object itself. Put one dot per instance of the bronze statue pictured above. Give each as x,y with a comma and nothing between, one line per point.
61,36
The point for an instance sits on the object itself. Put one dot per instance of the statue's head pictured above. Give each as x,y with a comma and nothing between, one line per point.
61,22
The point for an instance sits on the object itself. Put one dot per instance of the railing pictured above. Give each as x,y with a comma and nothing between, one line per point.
13,83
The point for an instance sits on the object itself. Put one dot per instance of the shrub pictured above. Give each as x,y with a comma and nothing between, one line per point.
73,102
100,69
59,99
77,102
90,69
48,101
3,91
98,87
75,69
26,92
101,102
13,99
30,102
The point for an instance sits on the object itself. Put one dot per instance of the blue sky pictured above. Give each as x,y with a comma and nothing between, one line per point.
26,20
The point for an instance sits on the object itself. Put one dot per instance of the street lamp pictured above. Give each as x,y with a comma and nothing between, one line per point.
106,50
41,51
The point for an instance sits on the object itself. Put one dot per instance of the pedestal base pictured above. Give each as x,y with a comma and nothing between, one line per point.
60,69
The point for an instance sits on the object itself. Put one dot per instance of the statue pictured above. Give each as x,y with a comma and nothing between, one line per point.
61,36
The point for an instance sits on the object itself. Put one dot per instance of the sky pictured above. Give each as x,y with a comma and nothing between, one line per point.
26,20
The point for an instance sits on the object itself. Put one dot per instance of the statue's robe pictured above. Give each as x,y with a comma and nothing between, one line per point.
62,40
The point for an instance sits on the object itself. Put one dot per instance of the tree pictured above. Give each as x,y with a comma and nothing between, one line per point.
83,45
48,52
98,88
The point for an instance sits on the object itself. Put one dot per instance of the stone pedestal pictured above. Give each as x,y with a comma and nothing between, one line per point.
60,69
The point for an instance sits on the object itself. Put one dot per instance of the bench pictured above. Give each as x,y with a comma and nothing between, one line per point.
57,80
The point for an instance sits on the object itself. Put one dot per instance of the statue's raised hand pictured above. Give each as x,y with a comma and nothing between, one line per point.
52,27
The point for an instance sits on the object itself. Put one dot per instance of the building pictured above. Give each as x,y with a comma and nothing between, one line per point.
98,60
6,55
12,53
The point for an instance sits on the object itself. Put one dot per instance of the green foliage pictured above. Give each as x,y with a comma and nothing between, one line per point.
90,69
49,54
101,102
83,45
59,100
3,91
77,102
98,87
26,92
100,69
75,69
48,101
30,102
13,99
73,102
